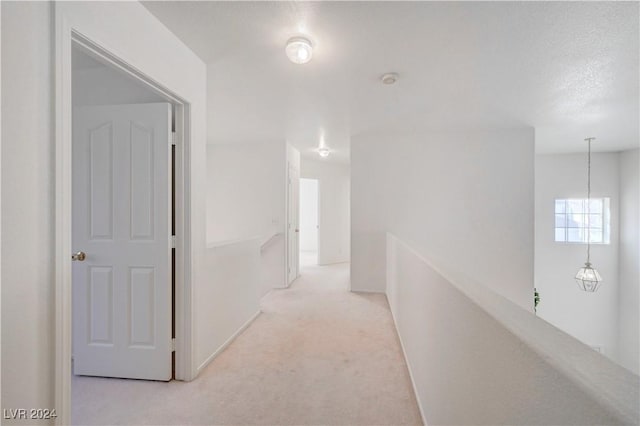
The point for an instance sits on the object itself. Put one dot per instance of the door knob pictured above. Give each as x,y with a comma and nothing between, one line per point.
79,256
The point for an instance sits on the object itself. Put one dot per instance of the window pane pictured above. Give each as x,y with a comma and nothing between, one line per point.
575,206
575,220
595,221
595,206
573,223
596,235
574,235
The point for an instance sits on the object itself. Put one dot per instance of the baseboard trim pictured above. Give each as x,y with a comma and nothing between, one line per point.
406,360
368,291
337,262
228,342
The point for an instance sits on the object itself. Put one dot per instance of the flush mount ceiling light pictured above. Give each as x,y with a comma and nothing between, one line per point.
299,50
389,78
324,151
588,278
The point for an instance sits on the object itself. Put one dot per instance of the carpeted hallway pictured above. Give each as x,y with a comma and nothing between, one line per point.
317,355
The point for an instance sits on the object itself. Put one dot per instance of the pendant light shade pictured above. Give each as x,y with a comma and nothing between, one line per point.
587,277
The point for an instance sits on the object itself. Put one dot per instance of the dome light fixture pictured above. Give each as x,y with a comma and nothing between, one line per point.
299,50
389,78
324,151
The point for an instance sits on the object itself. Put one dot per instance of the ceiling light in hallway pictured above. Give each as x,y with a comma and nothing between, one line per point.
324,151
299,50
389,78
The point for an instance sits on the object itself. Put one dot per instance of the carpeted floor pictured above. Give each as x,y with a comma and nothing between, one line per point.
317,355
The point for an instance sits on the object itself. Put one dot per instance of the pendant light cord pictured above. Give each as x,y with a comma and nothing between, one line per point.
589,201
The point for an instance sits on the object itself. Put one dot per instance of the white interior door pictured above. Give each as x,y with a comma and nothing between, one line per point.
121,221
293,255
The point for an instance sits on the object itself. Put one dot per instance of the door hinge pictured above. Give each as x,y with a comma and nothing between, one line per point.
172,241
174,138
173,345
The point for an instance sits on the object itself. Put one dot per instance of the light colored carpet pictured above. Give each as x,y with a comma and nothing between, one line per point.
317,355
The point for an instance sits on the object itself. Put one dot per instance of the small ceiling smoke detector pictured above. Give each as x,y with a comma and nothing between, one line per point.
389,78
324,151
299,50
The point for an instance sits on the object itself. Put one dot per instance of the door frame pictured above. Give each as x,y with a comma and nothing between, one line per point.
290,230
66,38
319,219
318,201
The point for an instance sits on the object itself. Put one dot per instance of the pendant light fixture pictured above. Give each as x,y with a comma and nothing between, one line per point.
588,278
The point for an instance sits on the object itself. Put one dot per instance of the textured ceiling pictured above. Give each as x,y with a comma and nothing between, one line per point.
568,69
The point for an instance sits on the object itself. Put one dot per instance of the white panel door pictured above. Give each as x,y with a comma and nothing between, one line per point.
122,222
293,255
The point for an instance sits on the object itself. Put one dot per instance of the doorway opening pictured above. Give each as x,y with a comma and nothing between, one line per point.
126,220
325,219
309,221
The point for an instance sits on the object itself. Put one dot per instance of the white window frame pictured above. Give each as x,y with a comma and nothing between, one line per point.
605,221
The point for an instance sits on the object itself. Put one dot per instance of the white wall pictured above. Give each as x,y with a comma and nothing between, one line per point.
246,215
590,317
334,234
308,215
475,358
272,263
27,206
245,190
246,199
464,200
629,262
28,197
105,86
235,299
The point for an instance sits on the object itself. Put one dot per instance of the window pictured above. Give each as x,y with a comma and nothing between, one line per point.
574,225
